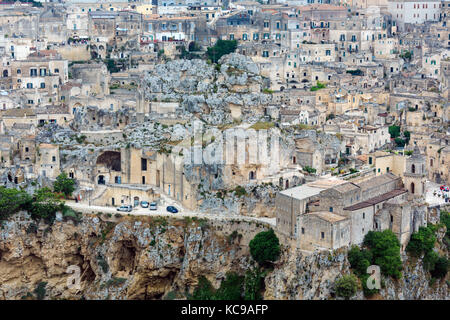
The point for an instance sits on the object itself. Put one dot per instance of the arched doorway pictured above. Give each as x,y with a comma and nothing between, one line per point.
287,184
251,175
5,73
412,187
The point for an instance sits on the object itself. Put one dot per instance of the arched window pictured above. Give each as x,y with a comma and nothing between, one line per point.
413,169
412,187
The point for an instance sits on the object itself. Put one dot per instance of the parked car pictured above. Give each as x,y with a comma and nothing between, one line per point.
172,209
153,206
125,208
444,188
144,204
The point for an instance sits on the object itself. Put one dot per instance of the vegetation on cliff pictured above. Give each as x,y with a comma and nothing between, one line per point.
265,247
422,244
346,286
379,248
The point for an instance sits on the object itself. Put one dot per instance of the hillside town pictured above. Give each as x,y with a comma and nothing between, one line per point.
325,118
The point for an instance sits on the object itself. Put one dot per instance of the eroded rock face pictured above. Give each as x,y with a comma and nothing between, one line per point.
211,92
125,258
312,276
147,258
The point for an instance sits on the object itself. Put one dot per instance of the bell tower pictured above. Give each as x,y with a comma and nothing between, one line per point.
415,174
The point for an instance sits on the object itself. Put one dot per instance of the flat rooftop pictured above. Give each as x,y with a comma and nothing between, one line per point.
312,188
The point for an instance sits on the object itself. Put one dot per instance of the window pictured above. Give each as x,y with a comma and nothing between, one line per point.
322,235
331,209
33,72
303,230
143,164
56,70
53,158
29,85
42,85
19,71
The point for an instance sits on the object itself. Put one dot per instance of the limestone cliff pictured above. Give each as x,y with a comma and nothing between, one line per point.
131,257
121,258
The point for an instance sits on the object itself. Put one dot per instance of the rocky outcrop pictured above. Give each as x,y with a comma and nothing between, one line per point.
132,257
216,93
119,258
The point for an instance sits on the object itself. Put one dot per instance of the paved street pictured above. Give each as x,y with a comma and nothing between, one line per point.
432,199
161,211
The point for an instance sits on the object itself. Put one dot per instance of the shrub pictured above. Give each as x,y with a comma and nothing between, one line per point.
221,48
359,260
394,131
45,204
367,292
230,288
40,290
253,283
12,201
385,249
421,241
346,286
265,247
64,184
440,268
309,169
204,290
429,260
318,86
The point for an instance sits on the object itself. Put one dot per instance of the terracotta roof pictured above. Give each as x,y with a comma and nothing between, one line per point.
376,200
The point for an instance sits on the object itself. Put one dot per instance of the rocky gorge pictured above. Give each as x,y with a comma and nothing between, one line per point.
137,257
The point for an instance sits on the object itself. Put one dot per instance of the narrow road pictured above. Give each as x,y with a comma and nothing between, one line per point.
161,211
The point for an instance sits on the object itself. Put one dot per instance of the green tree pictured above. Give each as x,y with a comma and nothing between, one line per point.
394,131
429,260
11,201
440,268
45,204
204,290
221,48
230,288
421,241
64,184
385,249
253,284
265,247
346,286
359,259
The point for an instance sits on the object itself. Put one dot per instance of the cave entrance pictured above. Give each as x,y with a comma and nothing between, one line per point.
127,257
